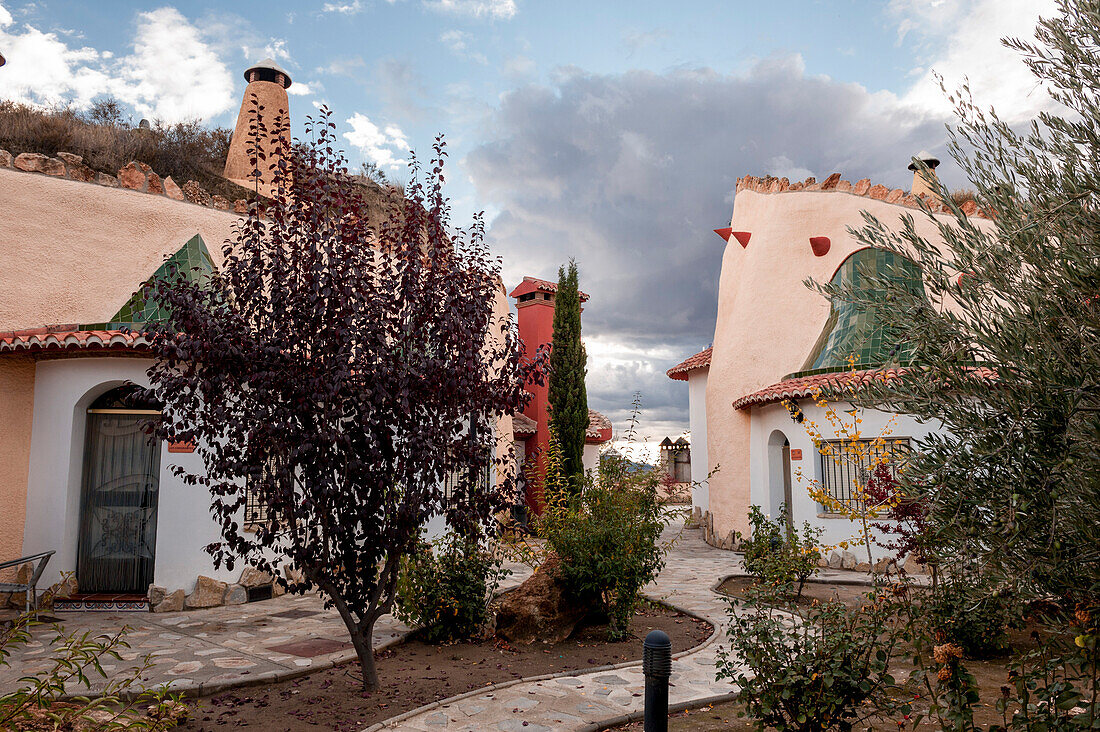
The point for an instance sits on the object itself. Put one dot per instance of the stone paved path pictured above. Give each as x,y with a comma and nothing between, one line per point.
204,651
579,701
585,701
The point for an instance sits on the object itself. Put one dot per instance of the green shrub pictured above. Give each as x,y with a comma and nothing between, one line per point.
446,588
608,538
972,616
48,699
823,668
778,556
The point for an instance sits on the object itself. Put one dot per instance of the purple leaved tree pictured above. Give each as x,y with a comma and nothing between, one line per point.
346,375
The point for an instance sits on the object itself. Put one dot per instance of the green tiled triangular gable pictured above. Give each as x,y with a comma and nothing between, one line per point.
852,333
192,262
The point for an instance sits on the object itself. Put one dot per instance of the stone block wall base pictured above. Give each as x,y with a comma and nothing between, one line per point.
210,592
728,541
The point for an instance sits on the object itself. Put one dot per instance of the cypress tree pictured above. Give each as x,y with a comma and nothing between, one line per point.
567,395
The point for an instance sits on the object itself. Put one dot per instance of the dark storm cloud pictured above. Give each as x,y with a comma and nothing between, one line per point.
629,173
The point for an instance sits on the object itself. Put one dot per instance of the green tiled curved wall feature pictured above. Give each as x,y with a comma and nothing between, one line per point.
192,262
850,331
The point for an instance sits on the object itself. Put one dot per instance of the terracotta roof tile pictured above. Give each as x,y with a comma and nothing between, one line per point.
597,425
698,361
69,338
805,386
534,284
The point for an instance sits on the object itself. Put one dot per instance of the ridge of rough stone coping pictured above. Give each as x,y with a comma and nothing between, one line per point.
493,688
862,188
75,170
848,581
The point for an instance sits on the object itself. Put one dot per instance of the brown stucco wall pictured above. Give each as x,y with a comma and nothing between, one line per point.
73,252
16,410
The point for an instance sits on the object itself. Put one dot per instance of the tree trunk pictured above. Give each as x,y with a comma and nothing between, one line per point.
361,633
363,640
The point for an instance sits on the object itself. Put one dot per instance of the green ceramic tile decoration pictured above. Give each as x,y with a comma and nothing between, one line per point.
850,331
192,261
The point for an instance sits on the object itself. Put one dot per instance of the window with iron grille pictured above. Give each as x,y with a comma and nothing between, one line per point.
844,472
453,479
255,506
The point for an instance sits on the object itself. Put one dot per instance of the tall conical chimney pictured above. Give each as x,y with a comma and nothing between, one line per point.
924,181
268,82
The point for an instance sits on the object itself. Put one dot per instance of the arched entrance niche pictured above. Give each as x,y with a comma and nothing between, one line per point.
779,476
119,490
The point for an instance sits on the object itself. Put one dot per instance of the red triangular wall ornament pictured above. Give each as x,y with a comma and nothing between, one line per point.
743,237
724,233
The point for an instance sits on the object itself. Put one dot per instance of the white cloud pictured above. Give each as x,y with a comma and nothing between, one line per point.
302,89
518,67
783,167
459,43
493,9
42,68
344,8
381,146
274,48
962,40
172,73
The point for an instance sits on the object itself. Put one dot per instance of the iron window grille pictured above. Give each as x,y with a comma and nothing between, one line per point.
844,475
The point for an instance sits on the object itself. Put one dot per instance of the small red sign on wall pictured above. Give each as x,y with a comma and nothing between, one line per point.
796,454
181,446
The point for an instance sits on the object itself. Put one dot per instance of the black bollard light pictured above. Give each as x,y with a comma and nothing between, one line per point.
657,667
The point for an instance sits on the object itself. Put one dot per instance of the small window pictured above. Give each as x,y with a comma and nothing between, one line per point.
256,509
846,466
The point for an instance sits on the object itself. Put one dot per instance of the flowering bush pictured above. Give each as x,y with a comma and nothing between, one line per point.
446,588
778,554
824,667
607,537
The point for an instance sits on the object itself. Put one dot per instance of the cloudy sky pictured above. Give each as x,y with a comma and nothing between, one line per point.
607,131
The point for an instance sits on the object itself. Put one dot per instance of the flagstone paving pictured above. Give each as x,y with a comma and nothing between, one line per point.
203,651
585,701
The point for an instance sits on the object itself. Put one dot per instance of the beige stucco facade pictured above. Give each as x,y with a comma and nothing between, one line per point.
768,320
70,253
73,252
16,410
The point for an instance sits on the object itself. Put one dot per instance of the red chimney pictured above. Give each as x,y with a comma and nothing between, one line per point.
535,317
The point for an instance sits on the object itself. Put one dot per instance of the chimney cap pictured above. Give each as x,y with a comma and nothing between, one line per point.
267,65
925,157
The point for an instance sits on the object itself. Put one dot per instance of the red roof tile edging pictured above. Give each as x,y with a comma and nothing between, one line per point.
69,338
807,386
698,361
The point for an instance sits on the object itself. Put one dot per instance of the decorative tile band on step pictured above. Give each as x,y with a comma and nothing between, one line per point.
101,605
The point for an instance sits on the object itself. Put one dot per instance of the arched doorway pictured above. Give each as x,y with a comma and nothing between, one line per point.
779,476
118,496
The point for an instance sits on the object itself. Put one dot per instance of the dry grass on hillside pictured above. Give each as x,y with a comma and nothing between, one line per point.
185,151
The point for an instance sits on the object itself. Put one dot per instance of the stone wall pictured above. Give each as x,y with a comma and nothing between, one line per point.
862,187
134,176
210,592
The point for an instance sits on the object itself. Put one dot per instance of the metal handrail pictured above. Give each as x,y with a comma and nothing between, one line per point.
30,587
